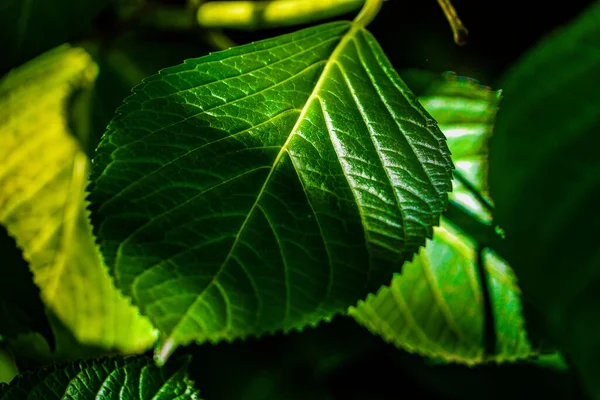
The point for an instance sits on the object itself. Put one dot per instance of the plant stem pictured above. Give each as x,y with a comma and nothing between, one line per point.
251,15
458,29
368,12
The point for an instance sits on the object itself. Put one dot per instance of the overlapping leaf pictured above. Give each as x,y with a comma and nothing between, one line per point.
43,174
545,178
130,378
267,186
436,307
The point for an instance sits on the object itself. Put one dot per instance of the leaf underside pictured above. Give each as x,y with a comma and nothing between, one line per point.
436,307
130,378
43,174
267,186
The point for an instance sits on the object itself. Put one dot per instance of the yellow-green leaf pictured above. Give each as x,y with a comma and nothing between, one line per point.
43,175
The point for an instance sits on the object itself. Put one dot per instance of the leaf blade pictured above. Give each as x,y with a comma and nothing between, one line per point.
270,156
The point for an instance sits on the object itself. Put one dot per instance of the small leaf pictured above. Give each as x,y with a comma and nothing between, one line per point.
43,174
436,307
545,170
129,378
267,186
8,368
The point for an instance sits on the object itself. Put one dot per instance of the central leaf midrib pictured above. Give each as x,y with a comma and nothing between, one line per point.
313,96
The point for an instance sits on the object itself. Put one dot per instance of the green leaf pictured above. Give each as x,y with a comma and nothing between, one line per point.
544,177
8,368
43,174
436,307
31,27
465,112
267,186
21,309
111,378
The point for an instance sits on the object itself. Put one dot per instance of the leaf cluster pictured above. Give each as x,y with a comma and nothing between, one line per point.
298,191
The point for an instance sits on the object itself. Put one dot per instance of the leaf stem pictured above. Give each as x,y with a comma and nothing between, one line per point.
252,15
368,12
458,29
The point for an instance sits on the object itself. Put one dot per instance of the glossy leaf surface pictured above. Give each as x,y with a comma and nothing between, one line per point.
118,378
436,307
43,174
267,186
545,177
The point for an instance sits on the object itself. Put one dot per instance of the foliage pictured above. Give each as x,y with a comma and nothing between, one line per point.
276,203
112,378
297,186
42,203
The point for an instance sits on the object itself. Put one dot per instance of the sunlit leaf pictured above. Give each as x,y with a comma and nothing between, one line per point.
43,174
130,378
465,112
267,186
436,307
545,179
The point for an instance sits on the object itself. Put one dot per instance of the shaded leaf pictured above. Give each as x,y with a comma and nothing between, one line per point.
545,174
267,186
31,27
436,307
111,378
21,309
8,368
43,174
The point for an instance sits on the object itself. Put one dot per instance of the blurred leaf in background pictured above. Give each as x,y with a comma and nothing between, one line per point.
43,173
545,176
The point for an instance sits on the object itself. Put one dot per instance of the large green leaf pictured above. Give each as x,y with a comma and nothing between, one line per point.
43,174
30,27
545,176
268,186
129,378
436,307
